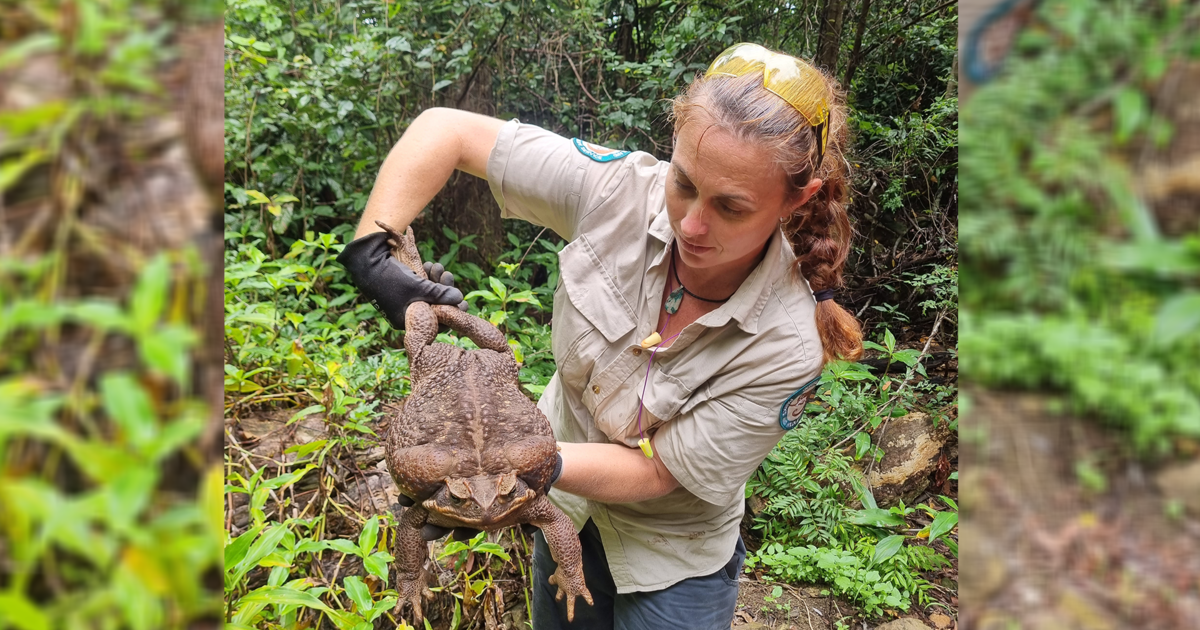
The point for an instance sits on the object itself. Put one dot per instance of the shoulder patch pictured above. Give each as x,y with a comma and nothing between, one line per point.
597,152
792,409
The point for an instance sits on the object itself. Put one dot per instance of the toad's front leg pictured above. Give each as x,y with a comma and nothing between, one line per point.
564,548
409,549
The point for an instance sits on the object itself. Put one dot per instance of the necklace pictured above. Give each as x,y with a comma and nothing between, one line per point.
676,297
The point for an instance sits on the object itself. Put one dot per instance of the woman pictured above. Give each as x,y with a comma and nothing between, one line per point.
685,333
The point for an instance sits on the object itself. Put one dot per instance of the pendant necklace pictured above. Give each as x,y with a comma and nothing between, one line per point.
674,299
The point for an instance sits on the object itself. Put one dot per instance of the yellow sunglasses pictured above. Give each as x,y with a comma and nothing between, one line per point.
789,78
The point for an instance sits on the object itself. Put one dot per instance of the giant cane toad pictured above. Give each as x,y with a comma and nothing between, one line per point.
469,448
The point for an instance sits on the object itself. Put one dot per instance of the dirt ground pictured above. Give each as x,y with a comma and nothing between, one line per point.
1063,528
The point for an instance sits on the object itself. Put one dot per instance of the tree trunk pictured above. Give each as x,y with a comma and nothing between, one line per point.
830,39
952,83
864,11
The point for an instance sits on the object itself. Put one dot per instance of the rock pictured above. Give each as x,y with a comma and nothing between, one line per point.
912,447
1181,483
907,623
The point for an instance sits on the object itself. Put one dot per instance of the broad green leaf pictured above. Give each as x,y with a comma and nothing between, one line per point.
129,406
887,548
359,593
150,293
344,546
128,495
1178,317
1130,111
862,444
889,340
871,345
303,450
27,46
942,523
261,548
307,411
235,551
369,535
498,287
175,435
284,596
102,314
257,196
876,517
494,549
166,349
288,479
23,614
907,357
100,461
377,566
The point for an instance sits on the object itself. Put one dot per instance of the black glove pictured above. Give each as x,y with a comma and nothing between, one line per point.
557,472
389,284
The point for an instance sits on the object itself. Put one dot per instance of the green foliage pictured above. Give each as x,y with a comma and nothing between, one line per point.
130,554
1051,225
316,96
110,517
809,531
874,586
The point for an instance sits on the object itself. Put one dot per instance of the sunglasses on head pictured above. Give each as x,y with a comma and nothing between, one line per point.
787,77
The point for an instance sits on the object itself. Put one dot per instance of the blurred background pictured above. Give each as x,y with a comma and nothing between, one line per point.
111,162
1080,325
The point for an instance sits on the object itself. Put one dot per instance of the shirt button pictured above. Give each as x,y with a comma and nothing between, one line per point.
637,352
595,389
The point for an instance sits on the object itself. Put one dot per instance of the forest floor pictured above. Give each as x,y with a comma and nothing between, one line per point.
357,486
1064,527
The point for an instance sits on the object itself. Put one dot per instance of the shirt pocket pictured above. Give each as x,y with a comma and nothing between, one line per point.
617,415
590,313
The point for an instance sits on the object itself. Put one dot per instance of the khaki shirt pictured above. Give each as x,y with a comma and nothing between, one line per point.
713,396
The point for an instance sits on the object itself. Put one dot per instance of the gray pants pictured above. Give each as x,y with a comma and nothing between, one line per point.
699,603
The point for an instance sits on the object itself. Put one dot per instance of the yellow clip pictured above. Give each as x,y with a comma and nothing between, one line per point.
647,450
653,340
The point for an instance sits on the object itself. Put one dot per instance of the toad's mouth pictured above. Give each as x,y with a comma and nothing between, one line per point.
482,501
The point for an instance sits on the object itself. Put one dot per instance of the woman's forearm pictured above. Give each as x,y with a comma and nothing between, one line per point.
613,473
435,144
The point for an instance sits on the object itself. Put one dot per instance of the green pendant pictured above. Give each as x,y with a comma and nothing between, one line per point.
673,301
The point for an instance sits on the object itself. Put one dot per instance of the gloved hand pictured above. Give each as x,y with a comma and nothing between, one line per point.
389,284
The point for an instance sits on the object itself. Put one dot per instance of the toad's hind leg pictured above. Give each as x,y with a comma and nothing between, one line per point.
564,548
410,549
420,328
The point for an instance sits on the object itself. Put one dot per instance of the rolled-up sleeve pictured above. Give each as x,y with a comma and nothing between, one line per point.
714,448
541,177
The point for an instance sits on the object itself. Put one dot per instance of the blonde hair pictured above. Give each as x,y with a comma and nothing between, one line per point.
820,229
